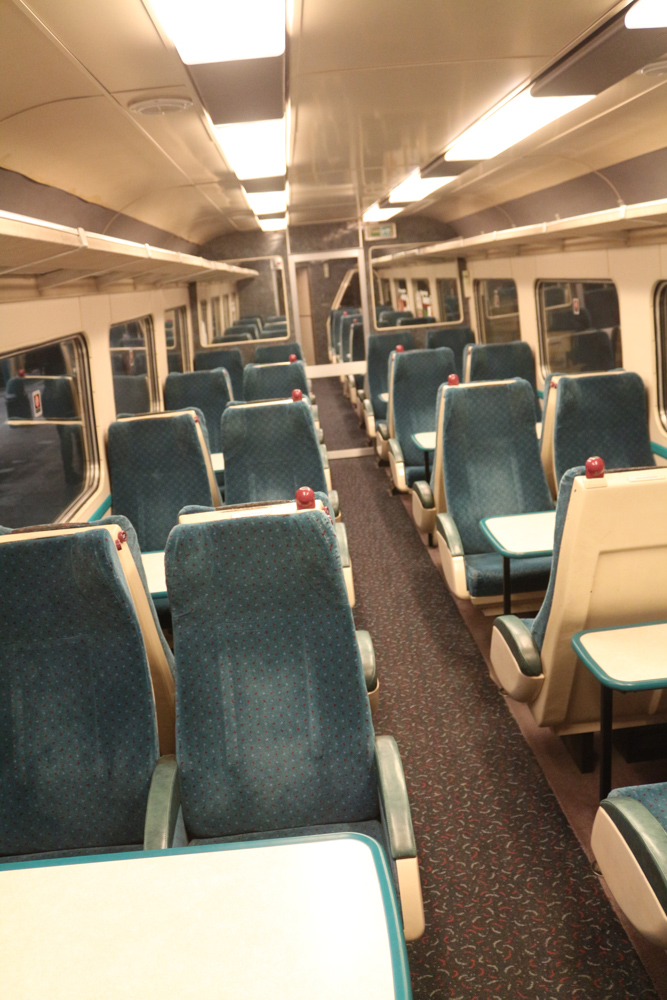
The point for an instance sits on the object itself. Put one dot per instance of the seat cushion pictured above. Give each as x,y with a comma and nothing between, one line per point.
81,852
653,797
484,574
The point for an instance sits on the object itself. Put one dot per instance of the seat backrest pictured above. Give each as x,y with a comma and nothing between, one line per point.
492,362
591,351
234,332
310,759
454,337
490,456
414,379
603,415
158,463
337,317
131,393
209,391
78,729
609,568
415,320
271,449
274,381
380,346
270,353
231,360
391,317
346,324
273,330
237,337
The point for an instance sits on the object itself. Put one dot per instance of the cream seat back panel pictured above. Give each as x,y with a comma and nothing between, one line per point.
390,397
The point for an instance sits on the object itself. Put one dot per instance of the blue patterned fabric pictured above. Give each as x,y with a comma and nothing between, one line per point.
274,381
231,360
603,415
209,391
271,353
415,320
491,457
357,349
484,574
273,724
380,346
346,323
654,797
78,732
391,316
337,316
539,624
156,467
456,338
591,352
131,394
270,451
236,332
417,375
492,362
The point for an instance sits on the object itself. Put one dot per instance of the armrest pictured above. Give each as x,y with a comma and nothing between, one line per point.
645,836
335,503
315,411
520,640
424,494
446,527
343,548
367,654
325,456
382,429
163,806
368,407
394,798
361,394
396,450
320,435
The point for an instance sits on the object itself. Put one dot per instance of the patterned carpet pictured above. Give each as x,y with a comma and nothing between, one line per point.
513,909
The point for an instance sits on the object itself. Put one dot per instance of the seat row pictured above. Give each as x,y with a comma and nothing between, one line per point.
255,328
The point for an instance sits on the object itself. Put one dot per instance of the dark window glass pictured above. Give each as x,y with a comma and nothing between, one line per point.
402,301
132,365
580,327
421,290
448,300
47,441
498,310
175,328
352,294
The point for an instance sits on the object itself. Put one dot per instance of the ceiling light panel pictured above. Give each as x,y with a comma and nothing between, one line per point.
647,14
210,31
267,202
510,123
272,225
415,188
377,214
254,149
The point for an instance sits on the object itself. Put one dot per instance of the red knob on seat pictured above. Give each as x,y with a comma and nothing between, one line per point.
297,395
21,372
305,498
293,357
453,379
595,467
400,348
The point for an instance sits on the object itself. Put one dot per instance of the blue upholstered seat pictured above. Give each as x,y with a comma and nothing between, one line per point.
415,320
209,391
158,464
78,726
492,362
131,394
231,360
391,317
274,381
591,351
454,337
271,353
336,319
414,382
274,734
274,330
238,329
603,415
380,347
492,467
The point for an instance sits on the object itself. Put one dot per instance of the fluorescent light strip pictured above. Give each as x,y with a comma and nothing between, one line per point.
647,14
377,214
508,124
272,225
211,31
415,188
267,202
254,149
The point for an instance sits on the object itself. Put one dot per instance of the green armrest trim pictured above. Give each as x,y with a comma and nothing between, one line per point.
396,450
382,429
334,501
343,548
520,640
424,494
367,654
325,456
646,838
320,435
394,798
446,527
164,802
368,408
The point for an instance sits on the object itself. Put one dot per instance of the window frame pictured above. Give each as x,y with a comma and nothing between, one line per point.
151,360
481,306
661,349
180,314
541,313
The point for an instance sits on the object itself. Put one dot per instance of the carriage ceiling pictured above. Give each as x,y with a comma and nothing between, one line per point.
377,89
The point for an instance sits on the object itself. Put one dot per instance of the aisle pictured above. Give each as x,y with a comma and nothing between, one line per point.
513,909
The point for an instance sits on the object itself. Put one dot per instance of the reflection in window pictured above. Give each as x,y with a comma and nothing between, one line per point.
498,310
579,326
661,342
203,322
216,318
401,286
226,318
448,300
385,292
131,346
176,332
46,440
421,289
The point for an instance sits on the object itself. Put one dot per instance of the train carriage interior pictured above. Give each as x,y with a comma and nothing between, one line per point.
333,499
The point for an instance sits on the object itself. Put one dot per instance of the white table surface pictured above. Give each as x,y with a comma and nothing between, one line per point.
218,461
630,655
524,534
155,573
425,440
299,921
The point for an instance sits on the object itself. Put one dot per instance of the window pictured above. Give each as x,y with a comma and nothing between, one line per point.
203,325
133,365
176,332
48,457
421,290
401,286
661,345
448,300
216,319
579,326
385,292
226,319
352,294
497,310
